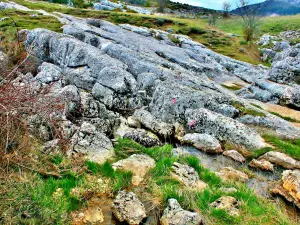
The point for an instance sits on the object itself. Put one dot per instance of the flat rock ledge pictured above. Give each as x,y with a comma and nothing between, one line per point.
138,164
281,159
127,207
262,165
175,215
188,176
235,155
231,174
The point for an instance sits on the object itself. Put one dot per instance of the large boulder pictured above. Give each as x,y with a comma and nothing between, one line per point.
175,215
127,207
223,128
281,159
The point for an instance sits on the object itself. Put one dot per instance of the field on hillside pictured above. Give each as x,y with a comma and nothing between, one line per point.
216,38
272,25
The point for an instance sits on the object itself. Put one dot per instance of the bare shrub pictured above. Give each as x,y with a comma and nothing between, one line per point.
226,9
250,17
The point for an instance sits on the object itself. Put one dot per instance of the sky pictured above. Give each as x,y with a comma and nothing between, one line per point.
212,4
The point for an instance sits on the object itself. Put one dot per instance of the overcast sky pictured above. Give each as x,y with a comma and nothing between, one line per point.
212,4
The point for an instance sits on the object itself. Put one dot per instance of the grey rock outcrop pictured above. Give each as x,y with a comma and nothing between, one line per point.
127,207
223,128
175,215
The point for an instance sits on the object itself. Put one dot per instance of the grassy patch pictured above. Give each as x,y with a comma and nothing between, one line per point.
234,87
290,147
119,179
287,118
247,111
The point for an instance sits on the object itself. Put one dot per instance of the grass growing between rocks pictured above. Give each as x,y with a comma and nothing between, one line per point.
32,197
289,147
161,186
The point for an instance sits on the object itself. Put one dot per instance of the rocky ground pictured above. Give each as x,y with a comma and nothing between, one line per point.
153,88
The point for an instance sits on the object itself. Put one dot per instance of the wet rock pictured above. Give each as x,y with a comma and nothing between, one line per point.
289,187
203,142
227,203
230,174
143,137
188,176
175,215
235,155
138,164
157,126
94,144
262,164
127,207
281,159
223,128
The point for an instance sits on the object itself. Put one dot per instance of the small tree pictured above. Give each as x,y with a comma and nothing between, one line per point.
212,19
250,17
226,9
162,5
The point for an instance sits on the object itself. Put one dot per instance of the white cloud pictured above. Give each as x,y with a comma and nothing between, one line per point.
212,4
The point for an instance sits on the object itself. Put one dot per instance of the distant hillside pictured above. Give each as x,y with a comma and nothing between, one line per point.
279,7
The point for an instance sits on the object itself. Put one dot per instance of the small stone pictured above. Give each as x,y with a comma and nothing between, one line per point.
281,159
188,176
228,190
93,215
235,155
139,165
227,203
127,207
133,122
262,164
175,215
231,174
203,142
